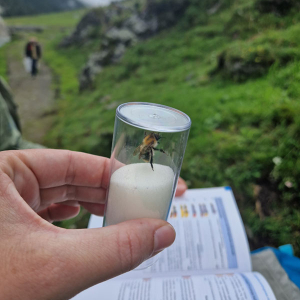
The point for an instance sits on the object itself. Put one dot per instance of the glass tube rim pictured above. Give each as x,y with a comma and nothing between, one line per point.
128,121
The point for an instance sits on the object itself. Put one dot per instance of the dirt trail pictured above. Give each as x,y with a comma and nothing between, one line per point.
34,96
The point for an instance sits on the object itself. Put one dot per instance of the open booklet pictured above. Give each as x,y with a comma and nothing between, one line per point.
209,259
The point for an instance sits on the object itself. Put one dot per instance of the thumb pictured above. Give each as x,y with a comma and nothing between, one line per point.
95,255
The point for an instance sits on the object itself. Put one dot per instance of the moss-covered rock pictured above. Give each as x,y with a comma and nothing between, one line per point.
241,63
280,7
253,58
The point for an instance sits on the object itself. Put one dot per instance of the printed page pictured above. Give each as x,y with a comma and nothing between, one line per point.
210,237
244,286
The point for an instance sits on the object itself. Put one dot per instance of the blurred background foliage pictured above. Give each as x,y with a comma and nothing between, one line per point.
233,66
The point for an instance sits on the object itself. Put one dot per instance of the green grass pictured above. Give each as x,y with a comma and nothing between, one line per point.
3,62
54,20
238,127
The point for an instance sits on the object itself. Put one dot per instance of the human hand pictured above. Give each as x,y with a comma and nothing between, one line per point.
181,187
41,261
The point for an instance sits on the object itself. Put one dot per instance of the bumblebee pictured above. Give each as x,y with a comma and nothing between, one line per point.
148,146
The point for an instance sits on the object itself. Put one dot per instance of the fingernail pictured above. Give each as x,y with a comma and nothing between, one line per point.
164,237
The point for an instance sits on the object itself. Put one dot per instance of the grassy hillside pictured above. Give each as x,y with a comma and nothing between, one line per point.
54,21
236,74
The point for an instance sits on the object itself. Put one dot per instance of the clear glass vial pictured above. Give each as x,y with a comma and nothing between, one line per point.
147,152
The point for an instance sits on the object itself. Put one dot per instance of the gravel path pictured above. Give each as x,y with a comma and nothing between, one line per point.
34,96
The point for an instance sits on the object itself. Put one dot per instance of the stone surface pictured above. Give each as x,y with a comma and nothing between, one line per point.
165,13
83,30
102,58
118,52
137,25
93,67
121,36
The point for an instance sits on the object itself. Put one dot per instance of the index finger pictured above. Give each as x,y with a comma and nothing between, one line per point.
60,167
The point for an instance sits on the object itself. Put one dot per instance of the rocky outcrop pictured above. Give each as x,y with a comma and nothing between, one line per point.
165,13
93,67
252,59
4,34
119,27
238,68
113,51
90,23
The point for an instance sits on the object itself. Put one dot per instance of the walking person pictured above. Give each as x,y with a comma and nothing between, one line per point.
34,52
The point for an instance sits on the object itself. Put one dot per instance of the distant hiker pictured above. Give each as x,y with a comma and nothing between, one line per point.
34,53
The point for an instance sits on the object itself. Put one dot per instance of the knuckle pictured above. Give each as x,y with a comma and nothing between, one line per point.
71,192
6,159
129,249
70,173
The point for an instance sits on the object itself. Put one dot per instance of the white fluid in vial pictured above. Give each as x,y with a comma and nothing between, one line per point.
136,191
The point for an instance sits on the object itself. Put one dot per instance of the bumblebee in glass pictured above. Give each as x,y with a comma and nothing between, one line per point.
148,146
